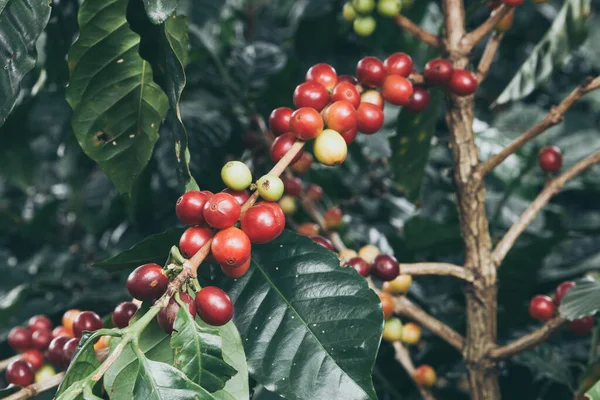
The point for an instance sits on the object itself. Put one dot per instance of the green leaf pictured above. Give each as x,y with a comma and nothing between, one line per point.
234,355
411,145
199,352
117,108
10,389
159,10
11,300
21,23
568,31
153,249
311,329
581,300
594,392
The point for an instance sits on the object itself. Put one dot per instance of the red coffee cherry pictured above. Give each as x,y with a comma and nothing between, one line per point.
20,373
35,358
55,351
279,120
323,241
240,196
39,322
397,90
263,222
462,82
425,376
340,116
41,339
236,272
419,99
166,316
350,135
385,267
192,241
387,305
550,159
222,211
372,96
308,229
306,123
561,290
190,206
370,71
324,74
314,192
333,218
69,350
369,118
86,321
541,308
582,326
399,64
303,164
231,247
312,95
346,91
19,338
292,185
282,145
347,78
60,331
513,3
438,71
123,314
148,282
214,306
360,265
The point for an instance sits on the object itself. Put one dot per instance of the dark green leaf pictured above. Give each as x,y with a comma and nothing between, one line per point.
21,23
159,10
253,64
153,249
594,392
311,329
117,108
10,389
568,31
233,353
581,300
10,300
546,362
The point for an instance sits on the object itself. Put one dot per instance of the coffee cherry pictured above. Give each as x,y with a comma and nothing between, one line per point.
387,305
363,6
102,343
61,331
190,206
222,211
419,99
398,64
55,351
270,187
462,82
41,339
438,71
368,253
506,22
348,12
68,318
582,326
240,196
330,148
370,71
561,290
323,241
20,373
397,90
19,338
392,330
279,120
35,358
385,267
389,8
304,163
314,192
44,373
550,159
398,285
333,218
288,205
166,316
86,321
348,78
411,333
541,308
214,306
513,3
360,265
282,145
306,123
425,376
311,95
350,135
236,272
39,322
372,96
69,350
263,222
369,118
324,74
148,282
292,185
231,247
123,314
346,255
236,175
346,91
190,243
308,229
340,116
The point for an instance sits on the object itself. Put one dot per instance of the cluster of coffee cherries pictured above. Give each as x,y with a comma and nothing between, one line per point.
543,308
40,341
359,12
550,159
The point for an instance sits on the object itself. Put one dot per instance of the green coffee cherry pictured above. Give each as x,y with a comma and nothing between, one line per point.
270,187
363,6
389,8
392,330
236,175
349,12
364,26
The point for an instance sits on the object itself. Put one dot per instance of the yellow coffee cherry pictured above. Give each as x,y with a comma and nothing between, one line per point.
411,333
368,253
347,254
399,285
392,330
288,205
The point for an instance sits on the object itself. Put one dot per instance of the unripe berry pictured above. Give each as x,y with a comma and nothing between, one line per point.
86,321
61,331
312,95
333,218
462,83
68,318
398,64
324,74
348,12
561,291
387,305
397,90
506,22
214,306
364,26
425,376
363,6
236,175
419,100
346,254
541,308
270,187
292,185
190,242
39,322
279,120
360,265
148,281
20,373
231,247
263,222
288,205
389,8
44,373
282,145
306,123
166,316
19,338
346,91
330,148
385,267
368,253
550,159
411,333
323,241
240,196
308,229
392,330
123,314
373,97
304,163
340,116
438,72
35,358
582,326
314,192
238,272
370,71
222,211
190,207
102,343
399,285
369,118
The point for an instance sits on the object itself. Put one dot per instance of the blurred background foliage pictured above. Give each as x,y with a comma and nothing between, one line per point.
59,213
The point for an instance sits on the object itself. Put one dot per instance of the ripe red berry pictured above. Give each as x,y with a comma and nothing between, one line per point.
347,78
303,164
236,272
581,326
39,322
263,222
86,321
308,229
324,74
148,281
123,314
370,118
346,91
19,338
323,241
222,211
231,247
311,94
35,358
333,218
397,90
372,96
399,64
314,192
166,316
550,159
60,331
190,206
541,308
425,376
69,349
360,265
191,241
306,123
438,71
279,120
513,3
462,82
370,71
292,185
385,267
20,373
55,351
419,99
41,339
282,145
340,116
214,306
561,290
240,196
350,135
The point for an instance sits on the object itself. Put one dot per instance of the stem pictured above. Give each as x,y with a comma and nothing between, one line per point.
491,48
5,363
475,36
528,341
37,388
437,269
417,31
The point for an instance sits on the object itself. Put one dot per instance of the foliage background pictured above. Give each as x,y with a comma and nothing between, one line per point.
59,213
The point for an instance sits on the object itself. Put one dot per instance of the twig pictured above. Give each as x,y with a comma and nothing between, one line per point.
416,78
444,269
476,35
551,189
454,23
491,48
37,388
554,117
417,31
403,357
337,241
528,341
5,363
